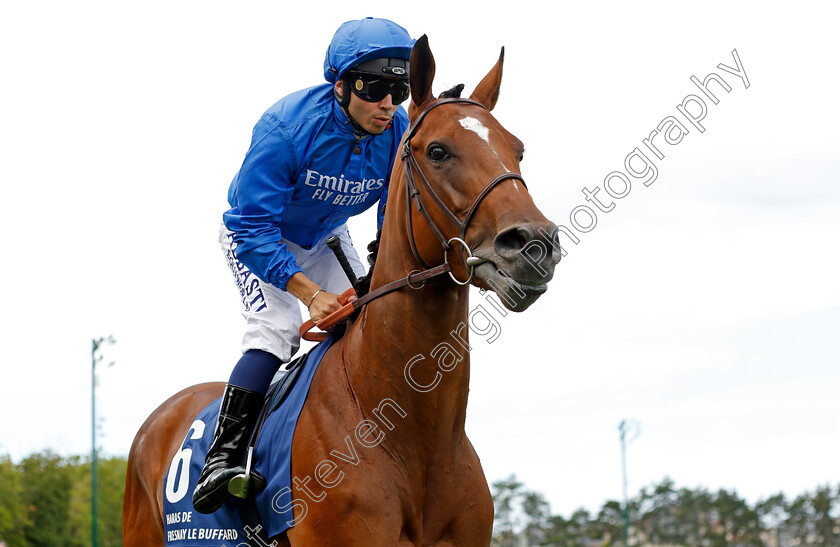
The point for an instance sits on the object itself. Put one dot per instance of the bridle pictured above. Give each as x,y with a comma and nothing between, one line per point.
412,167
417,278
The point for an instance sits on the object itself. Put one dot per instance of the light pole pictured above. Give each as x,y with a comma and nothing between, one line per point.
97,343
626,429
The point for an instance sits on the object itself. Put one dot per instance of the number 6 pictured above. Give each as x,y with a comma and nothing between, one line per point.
176,492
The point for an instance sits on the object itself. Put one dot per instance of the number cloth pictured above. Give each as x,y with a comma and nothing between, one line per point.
186,527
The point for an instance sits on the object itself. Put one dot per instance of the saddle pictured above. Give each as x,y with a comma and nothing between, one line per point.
268,456
278,392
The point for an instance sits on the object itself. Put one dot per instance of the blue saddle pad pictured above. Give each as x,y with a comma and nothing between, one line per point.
186,527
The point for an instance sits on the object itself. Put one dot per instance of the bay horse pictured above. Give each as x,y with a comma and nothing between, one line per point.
396,383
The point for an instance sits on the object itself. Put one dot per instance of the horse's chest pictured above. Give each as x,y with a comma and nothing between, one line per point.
452,506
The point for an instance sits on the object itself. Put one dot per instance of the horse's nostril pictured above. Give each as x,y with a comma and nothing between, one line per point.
512,241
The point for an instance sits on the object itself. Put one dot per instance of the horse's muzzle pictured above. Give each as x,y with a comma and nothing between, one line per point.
530,252
524,261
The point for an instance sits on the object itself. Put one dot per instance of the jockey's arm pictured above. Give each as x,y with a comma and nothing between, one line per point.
303,288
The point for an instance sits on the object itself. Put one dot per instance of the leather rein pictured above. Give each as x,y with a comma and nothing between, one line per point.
417,278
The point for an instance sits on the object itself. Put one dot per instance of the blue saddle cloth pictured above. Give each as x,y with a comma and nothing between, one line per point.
186,527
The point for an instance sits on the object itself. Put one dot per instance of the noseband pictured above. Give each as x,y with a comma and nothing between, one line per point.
412,168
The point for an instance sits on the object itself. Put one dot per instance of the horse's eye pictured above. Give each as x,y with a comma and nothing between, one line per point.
437,153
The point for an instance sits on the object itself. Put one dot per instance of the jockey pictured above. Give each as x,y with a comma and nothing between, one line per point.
317,157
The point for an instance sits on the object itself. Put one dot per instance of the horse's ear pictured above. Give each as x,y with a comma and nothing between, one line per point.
487,91
422,68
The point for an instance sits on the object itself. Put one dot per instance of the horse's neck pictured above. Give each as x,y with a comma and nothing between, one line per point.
413,349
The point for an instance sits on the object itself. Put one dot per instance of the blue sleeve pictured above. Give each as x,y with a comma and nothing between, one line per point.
261,192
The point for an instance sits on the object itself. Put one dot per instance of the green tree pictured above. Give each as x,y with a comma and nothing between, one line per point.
609,524
658,519
111,487
738,523
772,512
800,520
13,511
692,515
536,510
822,503
45,501
79,526
506,494
48,486
111,484
663,515
574,532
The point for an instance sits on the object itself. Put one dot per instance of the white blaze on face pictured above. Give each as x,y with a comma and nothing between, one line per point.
471,124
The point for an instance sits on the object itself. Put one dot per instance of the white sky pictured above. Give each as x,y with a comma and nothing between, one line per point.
706,306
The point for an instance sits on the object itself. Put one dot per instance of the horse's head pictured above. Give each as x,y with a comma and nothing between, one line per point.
466,193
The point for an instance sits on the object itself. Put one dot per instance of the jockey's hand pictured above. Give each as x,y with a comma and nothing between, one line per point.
319,302
322,305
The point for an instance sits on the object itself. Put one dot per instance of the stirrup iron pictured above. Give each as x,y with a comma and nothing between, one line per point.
240,485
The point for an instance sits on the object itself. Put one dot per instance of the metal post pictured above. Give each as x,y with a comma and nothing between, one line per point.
93,489
622,428
626,429
93,486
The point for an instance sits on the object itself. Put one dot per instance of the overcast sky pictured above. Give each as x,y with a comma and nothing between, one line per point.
704,306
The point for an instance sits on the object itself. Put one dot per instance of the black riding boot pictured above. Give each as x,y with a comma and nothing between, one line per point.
237,418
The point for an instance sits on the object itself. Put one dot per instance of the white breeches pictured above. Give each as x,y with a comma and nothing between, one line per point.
273,316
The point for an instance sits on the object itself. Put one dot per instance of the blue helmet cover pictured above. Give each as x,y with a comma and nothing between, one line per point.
361,40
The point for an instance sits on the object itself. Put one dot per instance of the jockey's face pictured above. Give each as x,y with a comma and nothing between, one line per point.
373,117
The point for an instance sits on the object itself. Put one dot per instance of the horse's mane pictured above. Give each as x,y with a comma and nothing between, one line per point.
362,285
454,92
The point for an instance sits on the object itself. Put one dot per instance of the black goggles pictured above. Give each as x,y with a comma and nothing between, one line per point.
374,88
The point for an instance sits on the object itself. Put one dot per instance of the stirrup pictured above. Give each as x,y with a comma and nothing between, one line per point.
240,485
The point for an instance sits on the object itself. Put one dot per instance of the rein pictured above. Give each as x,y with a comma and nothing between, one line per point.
417,278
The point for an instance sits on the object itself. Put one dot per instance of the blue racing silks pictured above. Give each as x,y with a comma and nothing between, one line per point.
307,170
